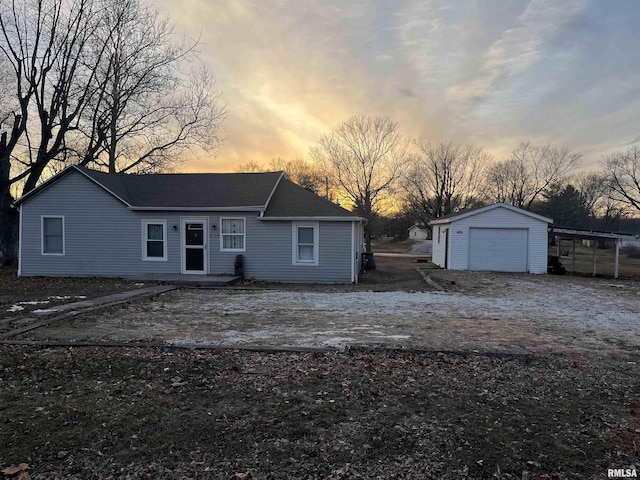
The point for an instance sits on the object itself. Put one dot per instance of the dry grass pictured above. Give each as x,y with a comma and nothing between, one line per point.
629,267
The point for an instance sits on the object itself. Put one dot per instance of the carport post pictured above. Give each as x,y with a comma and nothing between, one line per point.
573,252
595,247
615,271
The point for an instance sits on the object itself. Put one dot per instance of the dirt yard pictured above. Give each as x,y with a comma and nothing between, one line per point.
509,313
498,377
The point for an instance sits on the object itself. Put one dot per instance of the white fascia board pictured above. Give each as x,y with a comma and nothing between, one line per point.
273,191
315,219
439,221
459,216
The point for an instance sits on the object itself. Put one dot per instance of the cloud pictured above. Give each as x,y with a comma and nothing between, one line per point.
489,73
518,48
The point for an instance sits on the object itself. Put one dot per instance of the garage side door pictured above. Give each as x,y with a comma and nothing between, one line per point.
498,249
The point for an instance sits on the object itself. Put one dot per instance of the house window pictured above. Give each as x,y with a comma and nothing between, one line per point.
232,234
305,243
154,240
53,235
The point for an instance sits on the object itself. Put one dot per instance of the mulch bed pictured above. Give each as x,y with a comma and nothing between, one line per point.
167,413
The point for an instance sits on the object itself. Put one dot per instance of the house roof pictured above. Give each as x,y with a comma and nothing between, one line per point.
419,226
266,192
476,211
189,190
293,201
181,190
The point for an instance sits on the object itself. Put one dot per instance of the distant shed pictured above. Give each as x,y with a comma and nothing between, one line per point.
418,231
498,237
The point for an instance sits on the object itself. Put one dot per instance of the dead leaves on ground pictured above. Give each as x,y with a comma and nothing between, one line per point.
17,472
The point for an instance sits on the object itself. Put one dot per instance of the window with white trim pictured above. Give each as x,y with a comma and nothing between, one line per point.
154,240
305,243
53,235
232,234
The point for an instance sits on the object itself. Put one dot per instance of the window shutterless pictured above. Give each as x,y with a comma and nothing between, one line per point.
53,235
154,240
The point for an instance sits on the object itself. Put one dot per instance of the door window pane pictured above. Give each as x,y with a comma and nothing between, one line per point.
194,259
194,234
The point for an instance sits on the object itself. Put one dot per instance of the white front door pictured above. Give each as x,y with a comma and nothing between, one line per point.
194,245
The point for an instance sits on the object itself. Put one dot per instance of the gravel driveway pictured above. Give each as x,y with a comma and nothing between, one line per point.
505,313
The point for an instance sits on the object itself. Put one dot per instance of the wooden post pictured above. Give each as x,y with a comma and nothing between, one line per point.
573,246
558,247
615,272
595,247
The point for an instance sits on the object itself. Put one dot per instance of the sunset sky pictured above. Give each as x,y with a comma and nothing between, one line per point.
491,73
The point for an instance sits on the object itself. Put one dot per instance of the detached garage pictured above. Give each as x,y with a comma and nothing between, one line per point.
498,238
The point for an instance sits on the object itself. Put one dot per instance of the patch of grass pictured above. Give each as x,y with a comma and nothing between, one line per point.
163,413
629,264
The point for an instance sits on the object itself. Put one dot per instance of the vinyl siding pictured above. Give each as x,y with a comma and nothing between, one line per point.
268,254
104,238
499,218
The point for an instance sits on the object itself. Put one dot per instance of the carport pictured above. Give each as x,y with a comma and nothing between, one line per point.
573,234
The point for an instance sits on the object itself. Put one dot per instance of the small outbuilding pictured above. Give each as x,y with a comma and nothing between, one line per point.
418,231
498,237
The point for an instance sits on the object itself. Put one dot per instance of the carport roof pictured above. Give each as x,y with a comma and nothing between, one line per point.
567,232
476,211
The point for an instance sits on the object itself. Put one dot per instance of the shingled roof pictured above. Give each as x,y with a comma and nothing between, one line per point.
181,190
291,200
190,190
267,192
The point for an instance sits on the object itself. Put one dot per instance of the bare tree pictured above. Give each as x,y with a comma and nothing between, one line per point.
144,113
444,179
622,170
299,171
531,169
249,167
46,45
305,174
365,157
95,82
598,198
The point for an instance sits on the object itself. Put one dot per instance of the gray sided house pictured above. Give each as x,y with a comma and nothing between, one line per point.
83,222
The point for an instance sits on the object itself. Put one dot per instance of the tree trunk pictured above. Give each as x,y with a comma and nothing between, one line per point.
8,215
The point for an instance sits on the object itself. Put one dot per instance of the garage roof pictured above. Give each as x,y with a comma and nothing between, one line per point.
476,211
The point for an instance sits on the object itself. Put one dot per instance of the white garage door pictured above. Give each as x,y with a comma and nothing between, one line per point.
498,249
